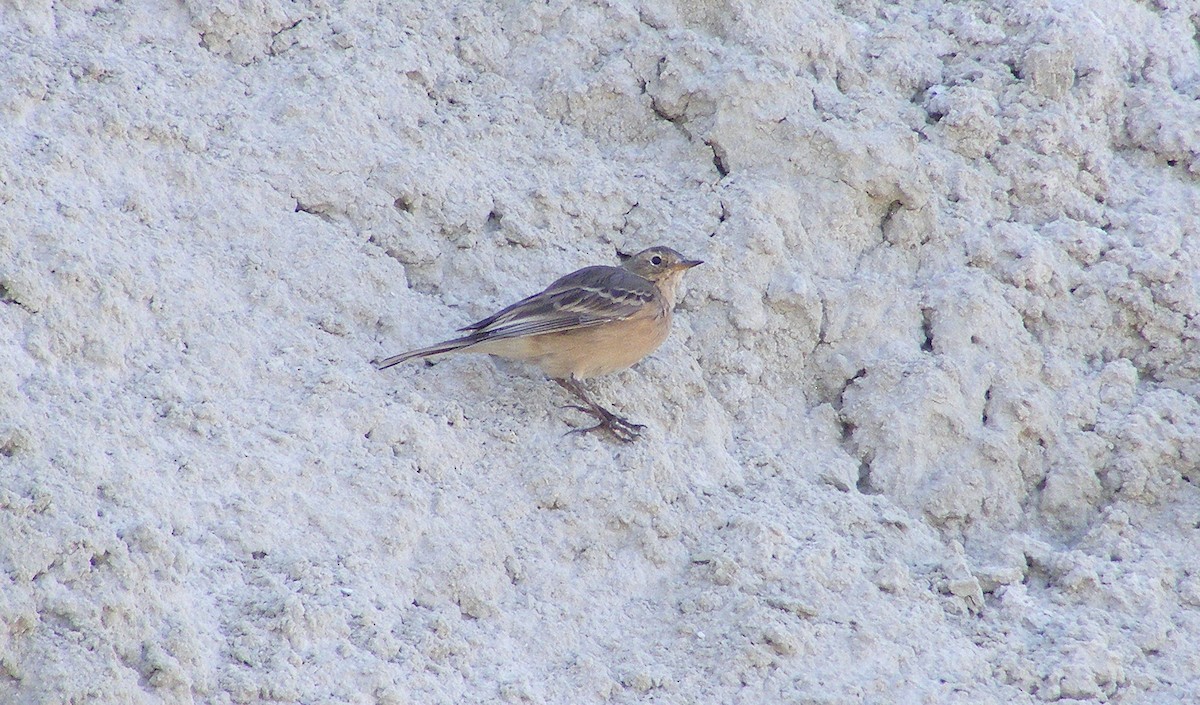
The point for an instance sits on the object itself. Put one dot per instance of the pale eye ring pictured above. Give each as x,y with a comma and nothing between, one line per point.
656,260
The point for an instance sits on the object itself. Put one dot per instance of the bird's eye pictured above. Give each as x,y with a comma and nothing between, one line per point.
656,260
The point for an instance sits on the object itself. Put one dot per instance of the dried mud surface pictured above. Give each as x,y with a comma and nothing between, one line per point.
927,429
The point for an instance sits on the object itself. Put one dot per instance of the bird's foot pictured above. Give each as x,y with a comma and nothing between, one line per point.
620,428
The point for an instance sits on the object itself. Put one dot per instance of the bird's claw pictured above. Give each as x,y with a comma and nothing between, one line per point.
621,429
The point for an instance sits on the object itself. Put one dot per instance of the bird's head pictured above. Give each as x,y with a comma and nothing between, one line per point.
657,263
661,265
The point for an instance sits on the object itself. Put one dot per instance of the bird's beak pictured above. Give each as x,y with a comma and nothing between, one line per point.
689,263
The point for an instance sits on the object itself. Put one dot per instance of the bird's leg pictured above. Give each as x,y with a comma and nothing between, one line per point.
622,429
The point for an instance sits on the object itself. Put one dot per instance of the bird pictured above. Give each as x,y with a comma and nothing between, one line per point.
591,322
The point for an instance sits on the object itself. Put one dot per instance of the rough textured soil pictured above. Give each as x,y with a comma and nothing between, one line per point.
927,429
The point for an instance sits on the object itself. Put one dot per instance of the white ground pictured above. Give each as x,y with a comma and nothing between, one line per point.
927,429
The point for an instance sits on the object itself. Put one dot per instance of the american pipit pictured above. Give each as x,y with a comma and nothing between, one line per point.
591,322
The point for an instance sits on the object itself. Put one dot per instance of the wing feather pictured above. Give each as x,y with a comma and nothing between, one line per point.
588,297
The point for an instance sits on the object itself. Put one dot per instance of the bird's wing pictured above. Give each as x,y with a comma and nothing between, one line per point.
588,297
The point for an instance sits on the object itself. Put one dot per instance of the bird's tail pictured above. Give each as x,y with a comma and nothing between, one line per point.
446,346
